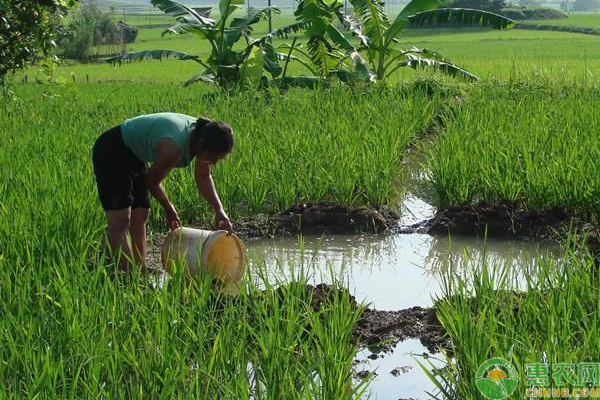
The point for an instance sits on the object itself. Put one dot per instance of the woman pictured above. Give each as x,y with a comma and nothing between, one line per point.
166,140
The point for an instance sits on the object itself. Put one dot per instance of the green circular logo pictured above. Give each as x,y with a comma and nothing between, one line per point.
496,378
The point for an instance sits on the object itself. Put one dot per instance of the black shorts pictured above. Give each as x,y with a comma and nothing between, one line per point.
120,175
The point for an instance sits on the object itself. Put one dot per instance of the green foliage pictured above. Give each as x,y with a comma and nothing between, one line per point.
28,30
535,143
226,66
340,154
550,318
385,57
463,17
70,331
328,52
89,27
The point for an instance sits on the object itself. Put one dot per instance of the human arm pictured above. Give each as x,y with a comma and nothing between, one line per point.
168,156
206,187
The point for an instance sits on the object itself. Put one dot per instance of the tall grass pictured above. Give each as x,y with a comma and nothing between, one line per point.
555,319
534,142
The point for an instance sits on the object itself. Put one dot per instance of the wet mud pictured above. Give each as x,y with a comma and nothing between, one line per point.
317,218
507,219
380,330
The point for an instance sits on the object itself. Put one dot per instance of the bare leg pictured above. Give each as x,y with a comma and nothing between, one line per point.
137,230
118,225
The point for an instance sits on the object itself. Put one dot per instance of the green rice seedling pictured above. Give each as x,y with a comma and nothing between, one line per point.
71,330
551,319
336,152
535,143
73,333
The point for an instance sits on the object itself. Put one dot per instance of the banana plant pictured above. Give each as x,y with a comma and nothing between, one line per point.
379,36
328,51
327,54
225,67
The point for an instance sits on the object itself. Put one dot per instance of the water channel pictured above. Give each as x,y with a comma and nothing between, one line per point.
393,272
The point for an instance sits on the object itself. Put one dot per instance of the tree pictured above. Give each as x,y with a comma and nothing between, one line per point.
89,27
27,31
329,53
379,36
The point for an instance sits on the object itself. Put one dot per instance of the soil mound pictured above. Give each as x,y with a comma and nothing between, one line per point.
505,219
317,218
380,330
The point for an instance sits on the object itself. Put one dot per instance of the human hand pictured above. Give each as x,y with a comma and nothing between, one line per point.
223,222
173,221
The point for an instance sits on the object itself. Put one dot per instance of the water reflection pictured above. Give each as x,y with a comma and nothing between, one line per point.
410,382
393,271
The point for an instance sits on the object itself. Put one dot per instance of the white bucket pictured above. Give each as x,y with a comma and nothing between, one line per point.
220,256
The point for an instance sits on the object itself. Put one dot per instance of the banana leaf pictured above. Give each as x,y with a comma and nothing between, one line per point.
462,16
205,76
442,66
181,12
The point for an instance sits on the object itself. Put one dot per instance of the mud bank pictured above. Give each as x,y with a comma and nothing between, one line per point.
317,218
507,219
380,330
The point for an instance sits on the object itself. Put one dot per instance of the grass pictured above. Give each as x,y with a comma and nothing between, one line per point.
585,20
69,331
489,54
340,154
535,143
76,334
492,54
526,133
554,319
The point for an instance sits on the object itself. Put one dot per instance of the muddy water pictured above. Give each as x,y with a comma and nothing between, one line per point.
392,272
398,376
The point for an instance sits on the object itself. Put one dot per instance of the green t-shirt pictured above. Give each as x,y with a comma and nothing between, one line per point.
142,134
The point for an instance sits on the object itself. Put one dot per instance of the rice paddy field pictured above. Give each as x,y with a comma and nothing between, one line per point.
526,132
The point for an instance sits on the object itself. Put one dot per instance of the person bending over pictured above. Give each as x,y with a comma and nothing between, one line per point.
166,140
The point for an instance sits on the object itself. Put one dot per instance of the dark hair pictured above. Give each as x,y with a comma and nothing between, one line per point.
217,136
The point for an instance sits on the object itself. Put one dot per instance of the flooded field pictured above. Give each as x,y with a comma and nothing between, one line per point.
394,272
